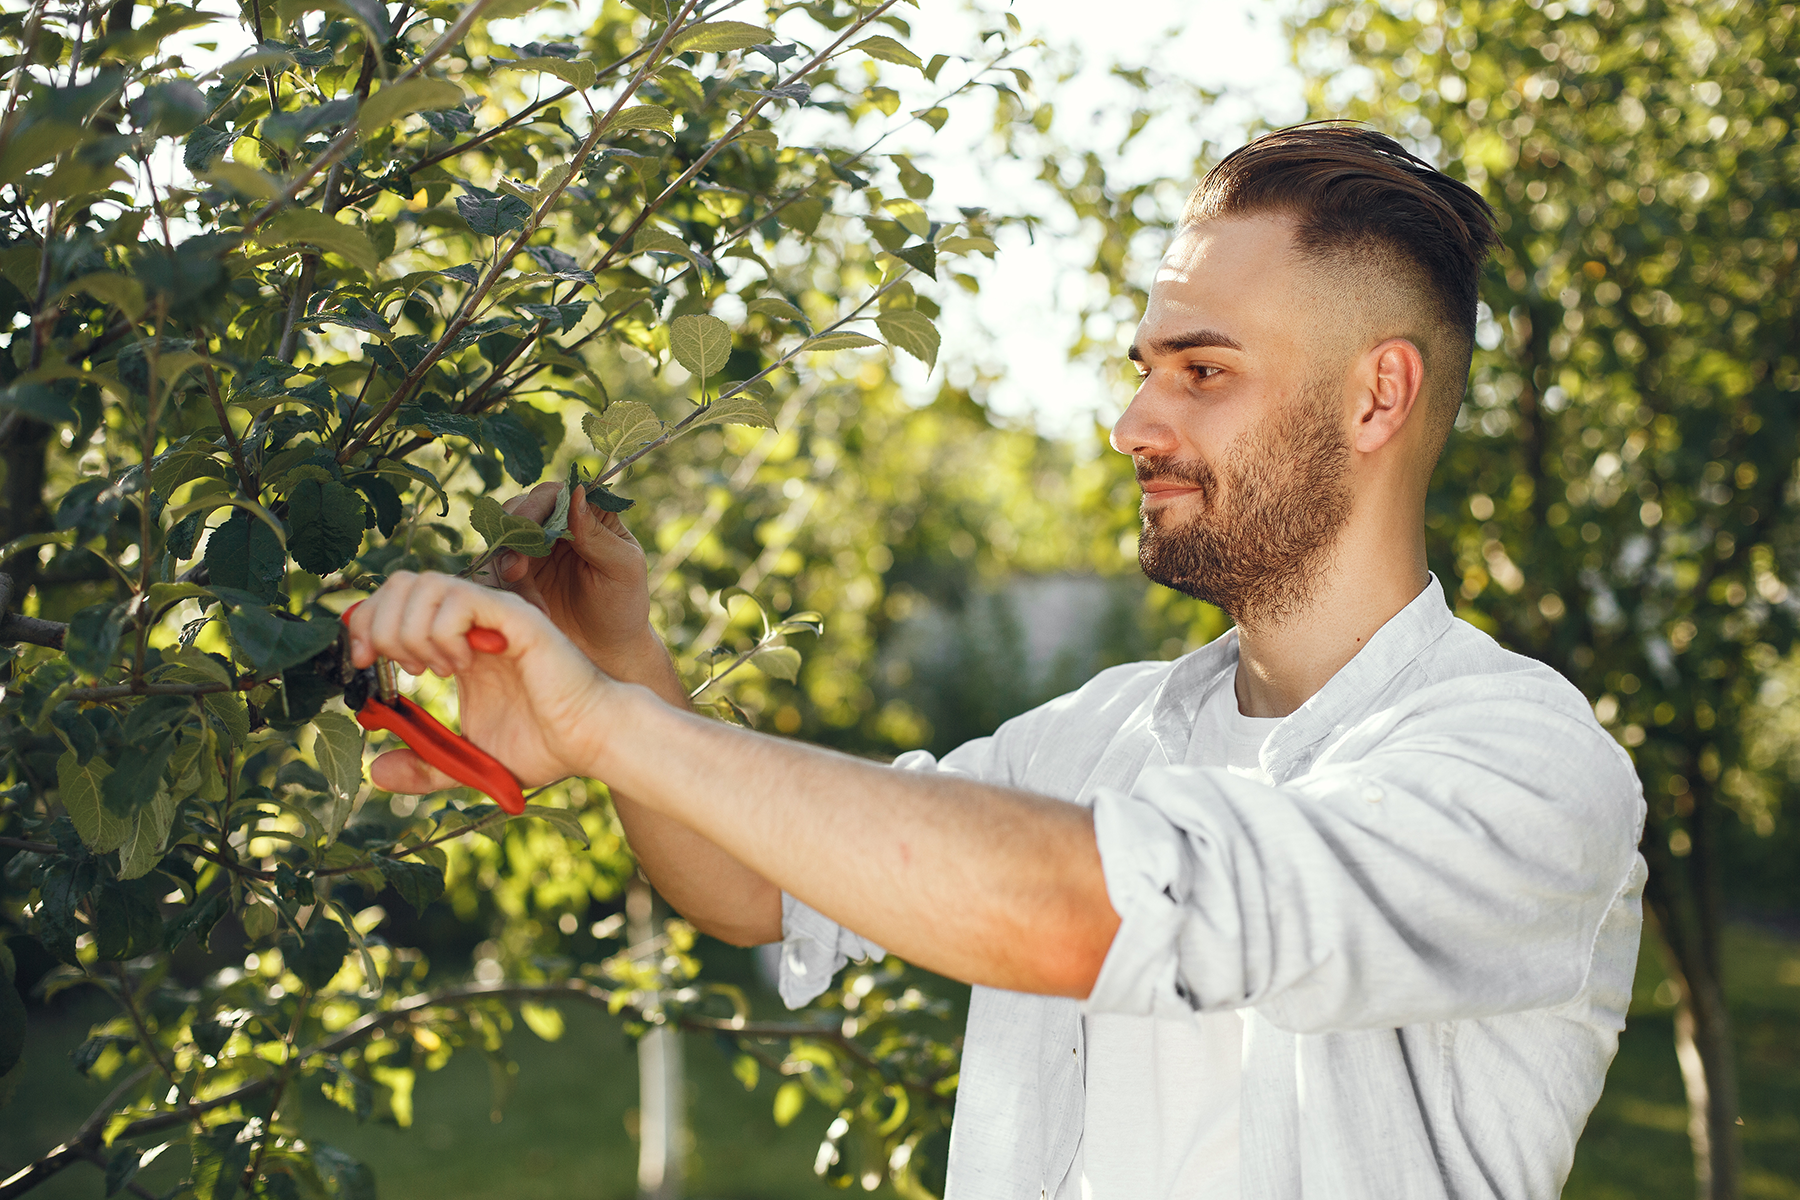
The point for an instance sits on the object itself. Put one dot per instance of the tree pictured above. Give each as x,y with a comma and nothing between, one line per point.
398,261
1620,499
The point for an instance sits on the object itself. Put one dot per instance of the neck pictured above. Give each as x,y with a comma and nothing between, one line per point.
1372,574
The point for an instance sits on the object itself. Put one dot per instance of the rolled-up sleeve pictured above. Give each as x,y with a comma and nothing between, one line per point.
1462,870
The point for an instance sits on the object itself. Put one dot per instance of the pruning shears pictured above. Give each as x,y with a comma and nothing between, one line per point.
371,693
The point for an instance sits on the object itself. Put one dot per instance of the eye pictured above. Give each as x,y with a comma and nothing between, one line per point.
1202,371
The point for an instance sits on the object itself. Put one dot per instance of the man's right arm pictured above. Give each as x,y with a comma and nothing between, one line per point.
593,587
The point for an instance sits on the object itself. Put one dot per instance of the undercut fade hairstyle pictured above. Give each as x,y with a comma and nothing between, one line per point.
1359,199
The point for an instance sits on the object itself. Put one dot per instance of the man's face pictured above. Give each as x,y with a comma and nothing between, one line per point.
1238,428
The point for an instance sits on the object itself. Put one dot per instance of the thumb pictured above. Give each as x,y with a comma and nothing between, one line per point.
403,771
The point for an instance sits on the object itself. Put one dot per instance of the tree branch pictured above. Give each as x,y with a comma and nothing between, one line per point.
471,302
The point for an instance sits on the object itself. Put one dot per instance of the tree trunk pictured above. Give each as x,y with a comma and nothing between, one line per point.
1689,926
662,1081
22,510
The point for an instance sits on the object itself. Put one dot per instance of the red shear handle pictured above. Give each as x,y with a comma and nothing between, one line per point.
446,751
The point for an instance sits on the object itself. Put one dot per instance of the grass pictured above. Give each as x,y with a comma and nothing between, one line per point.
565,1132
1636,1144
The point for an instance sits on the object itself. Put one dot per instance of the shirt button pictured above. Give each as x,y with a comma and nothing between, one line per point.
1372,794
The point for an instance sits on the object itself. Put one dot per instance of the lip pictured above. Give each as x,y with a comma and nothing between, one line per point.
1159,489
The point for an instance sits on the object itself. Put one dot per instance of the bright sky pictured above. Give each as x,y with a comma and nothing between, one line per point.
1020,327
1024,321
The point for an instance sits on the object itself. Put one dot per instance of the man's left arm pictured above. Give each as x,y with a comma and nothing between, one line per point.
990,885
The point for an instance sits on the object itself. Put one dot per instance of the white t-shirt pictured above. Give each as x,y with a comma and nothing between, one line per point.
1162,1094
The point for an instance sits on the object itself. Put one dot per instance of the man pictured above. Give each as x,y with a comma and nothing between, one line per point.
1349,897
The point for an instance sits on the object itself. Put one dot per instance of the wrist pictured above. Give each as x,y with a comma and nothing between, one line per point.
622,718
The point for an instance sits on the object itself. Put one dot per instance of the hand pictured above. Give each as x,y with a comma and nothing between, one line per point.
593,584
536,706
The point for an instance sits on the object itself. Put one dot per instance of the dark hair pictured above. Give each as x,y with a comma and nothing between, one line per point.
1350,190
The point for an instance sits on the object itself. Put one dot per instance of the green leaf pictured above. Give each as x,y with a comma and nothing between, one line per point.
121,291
501,528
136,781
561,819
542,1020
338,747
923,256
838,341
316,957
491,216
740,408
576,72
650,238
779,662
418,883
622,428
790,1098
719,37
910,330
888,50
802,215
327,519
122,1168
259,920
519,448
747,1070
149,835
605,500
935,116
349,1178
93,637
311,227
78,787
959,244
417,94
777,308
272,643
557,526
221,1156
244,553
700,343
370,13
643,116
126,923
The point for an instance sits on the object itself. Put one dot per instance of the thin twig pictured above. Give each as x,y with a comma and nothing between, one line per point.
340,145
471,301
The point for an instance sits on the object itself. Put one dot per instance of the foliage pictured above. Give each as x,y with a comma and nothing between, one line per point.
396,268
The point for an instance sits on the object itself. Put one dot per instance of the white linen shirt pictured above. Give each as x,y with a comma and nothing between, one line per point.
1429,922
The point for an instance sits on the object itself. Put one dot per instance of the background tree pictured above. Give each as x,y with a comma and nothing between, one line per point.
1620,497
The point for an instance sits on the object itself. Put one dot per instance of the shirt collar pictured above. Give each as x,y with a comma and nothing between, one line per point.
1345,697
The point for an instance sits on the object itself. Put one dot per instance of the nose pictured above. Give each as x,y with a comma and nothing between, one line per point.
1141,429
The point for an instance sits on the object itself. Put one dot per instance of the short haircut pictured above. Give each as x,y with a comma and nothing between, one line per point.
1358,197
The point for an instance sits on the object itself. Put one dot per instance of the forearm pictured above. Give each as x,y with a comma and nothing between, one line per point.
713,890
985,884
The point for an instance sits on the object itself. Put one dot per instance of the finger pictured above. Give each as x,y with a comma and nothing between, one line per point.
405,772
449,636
605,546
513,566
380,618
420,635
535,505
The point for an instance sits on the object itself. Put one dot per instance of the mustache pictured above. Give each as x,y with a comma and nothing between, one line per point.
1166,469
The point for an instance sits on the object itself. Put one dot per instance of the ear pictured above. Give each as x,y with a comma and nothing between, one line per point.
1394,373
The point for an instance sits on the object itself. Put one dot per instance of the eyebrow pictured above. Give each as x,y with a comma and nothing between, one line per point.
1193,340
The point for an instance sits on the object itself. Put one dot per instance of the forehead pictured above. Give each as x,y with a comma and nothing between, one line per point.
1237,276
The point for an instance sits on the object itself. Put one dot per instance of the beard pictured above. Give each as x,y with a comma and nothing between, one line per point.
1262,542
